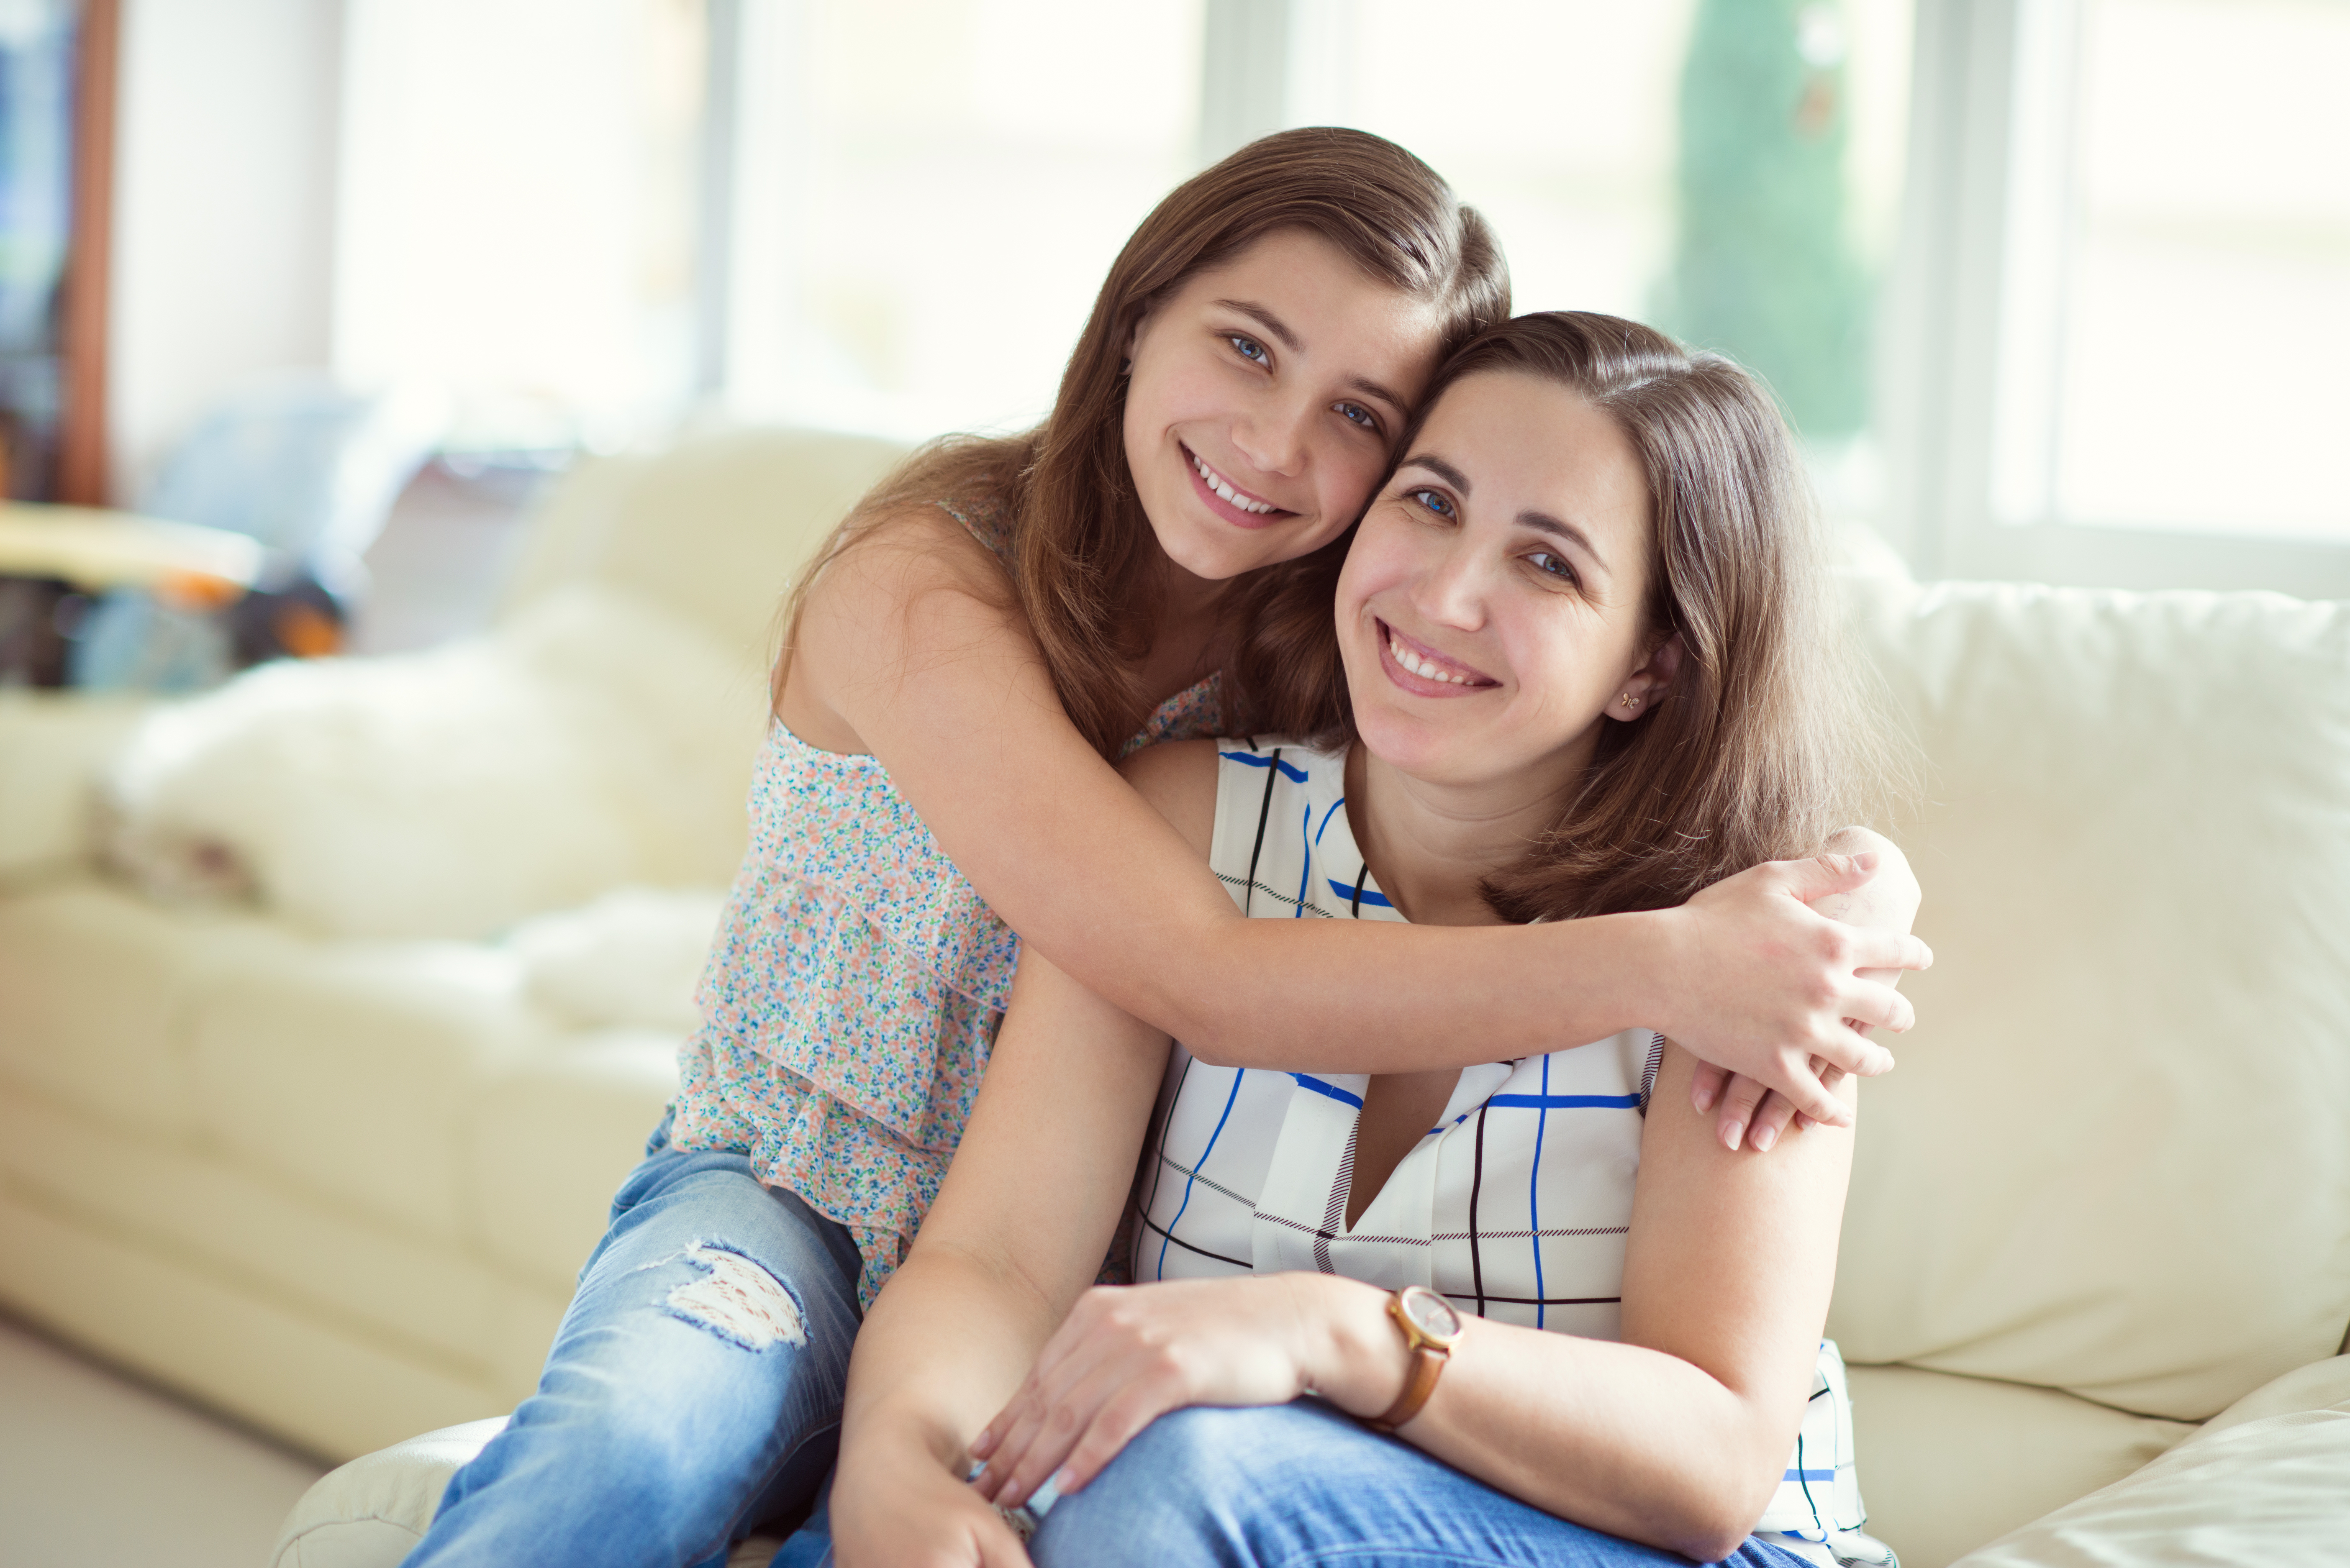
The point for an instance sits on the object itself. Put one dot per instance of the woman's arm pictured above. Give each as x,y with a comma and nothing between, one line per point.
911,647
1677,1435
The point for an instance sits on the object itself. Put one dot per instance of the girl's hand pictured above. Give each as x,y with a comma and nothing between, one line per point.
1127,1355
894,1506
1749,1113
1769,987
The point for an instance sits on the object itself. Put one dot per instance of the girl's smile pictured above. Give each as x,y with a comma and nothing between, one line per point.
1228,500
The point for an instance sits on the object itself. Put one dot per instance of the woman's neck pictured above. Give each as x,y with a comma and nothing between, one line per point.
1431,846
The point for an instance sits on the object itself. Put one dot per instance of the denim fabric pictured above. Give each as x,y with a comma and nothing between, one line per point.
686,1399
1286,1486
1289,1485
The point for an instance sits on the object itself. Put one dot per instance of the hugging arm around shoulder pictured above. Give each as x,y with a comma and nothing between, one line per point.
911,647
1674,1437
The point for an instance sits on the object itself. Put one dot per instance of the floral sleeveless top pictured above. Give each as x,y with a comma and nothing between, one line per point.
856,984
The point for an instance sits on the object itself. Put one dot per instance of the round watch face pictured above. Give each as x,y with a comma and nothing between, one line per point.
1430,1313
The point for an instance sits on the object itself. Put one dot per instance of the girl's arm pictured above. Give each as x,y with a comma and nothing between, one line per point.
1017,1233
912,648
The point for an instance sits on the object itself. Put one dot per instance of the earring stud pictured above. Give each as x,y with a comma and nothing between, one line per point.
1629,700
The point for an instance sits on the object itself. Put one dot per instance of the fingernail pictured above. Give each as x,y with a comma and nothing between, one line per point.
983,1444
1865,861
1732,1135
1764,1137
1705,1098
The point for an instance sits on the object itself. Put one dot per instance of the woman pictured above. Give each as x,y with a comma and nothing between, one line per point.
1583,617
983,636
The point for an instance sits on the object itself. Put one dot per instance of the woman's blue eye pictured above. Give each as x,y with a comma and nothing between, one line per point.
1249,348
1556,565
1434,500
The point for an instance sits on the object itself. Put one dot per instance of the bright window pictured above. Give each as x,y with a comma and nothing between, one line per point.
928,193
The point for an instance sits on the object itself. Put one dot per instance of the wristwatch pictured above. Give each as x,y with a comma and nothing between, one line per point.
1431,1327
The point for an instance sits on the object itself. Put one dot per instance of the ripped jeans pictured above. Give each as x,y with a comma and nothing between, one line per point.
692,1392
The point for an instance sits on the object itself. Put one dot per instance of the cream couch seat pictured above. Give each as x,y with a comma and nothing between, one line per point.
340,1187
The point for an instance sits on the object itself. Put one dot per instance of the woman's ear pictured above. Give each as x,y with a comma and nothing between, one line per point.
1646,684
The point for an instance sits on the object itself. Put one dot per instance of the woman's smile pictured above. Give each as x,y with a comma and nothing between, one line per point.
1422,672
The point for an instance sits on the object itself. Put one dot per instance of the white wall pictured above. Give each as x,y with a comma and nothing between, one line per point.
224,210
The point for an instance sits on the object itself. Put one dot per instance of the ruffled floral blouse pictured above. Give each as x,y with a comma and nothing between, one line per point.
854,987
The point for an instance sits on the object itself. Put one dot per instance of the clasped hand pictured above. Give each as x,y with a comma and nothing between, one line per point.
1127,1356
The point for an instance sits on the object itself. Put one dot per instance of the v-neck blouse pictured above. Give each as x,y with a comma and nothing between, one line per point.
1515,1205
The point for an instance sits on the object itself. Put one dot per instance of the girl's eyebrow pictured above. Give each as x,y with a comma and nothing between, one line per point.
1278,330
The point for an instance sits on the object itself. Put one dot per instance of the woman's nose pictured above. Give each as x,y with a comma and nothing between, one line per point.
1451,591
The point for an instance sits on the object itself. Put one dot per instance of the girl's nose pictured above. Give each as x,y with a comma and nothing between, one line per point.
1273,437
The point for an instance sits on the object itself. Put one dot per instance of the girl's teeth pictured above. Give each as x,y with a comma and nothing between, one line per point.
1216,483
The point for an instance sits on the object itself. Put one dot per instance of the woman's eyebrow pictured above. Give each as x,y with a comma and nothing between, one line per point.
1441,469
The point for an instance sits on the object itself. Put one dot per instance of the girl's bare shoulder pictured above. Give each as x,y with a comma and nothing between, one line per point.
912,546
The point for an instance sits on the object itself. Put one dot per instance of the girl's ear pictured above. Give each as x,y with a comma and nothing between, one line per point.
1649,681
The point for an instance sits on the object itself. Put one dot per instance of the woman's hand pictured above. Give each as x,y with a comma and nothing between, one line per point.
1127,1356
1773,989
894,1505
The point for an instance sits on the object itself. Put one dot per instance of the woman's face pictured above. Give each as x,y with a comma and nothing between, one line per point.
1263,399
1491,613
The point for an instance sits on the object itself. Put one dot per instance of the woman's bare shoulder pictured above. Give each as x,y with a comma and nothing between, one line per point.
1178,777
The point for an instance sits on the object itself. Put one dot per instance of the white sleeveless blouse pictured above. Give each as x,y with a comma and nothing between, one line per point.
1514,1206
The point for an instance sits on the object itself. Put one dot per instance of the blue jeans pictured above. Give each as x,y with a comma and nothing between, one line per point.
691,1394
1286,1486
1289,1485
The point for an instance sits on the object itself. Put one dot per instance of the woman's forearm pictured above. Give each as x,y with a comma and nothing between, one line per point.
1623,1438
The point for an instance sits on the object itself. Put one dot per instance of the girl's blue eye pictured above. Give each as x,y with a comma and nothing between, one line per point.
1434,500
1356,414
1249,347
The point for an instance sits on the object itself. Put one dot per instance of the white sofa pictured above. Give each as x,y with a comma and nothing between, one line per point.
341,1188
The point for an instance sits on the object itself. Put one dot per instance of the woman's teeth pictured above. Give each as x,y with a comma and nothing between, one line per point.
1216,483
1421,667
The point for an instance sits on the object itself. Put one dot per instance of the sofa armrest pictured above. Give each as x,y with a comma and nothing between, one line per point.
54,745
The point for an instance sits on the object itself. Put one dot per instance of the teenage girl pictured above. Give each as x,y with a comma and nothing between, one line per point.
984,636
1547,1318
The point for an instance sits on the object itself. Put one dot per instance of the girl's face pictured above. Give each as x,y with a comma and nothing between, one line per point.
1491,613
1263,399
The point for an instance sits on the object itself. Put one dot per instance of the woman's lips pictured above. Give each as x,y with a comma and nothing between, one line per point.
1239,516
1445,677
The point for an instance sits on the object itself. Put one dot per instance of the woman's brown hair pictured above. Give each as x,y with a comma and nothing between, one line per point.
1081,547
1759,749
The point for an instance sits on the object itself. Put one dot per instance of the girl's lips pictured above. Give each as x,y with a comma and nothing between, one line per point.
1422,685
1222,507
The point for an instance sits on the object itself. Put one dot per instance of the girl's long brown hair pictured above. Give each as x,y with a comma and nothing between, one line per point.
1759,749
1081,544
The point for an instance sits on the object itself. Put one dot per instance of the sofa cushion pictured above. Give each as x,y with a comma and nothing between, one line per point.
348,1068
549,1135
1952,1462
2267,1488
53,745
711,531
95,988
2111,1160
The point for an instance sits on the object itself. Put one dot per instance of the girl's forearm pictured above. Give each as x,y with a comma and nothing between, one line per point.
1623,1438
945,1345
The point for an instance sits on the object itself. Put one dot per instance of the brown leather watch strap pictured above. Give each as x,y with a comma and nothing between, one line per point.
1427,1365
